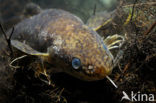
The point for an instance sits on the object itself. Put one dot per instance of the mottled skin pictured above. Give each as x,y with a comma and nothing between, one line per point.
64,36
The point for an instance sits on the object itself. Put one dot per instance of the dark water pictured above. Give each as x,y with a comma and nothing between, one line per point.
12,11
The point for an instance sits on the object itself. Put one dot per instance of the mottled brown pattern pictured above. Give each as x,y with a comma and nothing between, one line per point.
68,37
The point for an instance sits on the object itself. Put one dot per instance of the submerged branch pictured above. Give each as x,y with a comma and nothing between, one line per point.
150,29
141,4
8,40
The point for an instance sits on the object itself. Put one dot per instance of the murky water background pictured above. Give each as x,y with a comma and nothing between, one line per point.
13,11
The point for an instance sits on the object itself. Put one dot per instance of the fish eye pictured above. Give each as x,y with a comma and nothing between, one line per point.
76,63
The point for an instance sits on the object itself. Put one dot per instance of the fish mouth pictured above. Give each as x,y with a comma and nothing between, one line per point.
90,73
96,73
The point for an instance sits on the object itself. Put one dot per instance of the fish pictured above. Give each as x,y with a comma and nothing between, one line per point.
65,43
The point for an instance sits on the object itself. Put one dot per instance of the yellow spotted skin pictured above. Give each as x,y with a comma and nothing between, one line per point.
64,36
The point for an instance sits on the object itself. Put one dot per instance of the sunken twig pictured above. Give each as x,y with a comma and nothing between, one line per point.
150,29
8,40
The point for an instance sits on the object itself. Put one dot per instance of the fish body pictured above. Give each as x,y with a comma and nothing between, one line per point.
72,46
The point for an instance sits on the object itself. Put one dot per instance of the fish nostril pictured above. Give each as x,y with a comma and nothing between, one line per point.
90,67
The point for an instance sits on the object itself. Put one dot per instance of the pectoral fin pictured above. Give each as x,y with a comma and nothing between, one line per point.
114,41
103,24
26,48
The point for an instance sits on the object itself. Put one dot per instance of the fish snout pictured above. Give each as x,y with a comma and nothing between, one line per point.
97,72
